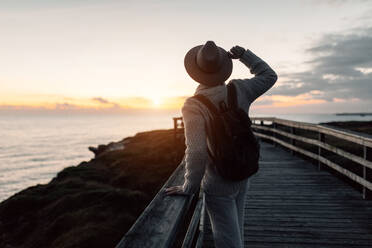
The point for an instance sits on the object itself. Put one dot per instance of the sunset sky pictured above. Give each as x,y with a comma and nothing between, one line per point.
119,55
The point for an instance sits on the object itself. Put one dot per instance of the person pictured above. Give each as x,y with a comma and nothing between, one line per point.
211,66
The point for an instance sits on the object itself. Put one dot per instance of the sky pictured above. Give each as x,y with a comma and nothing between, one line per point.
90,55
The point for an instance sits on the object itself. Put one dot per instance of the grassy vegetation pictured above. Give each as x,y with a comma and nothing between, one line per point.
357,126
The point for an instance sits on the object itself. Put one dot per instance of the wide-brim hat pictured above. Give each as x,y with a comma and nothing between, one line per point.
208,64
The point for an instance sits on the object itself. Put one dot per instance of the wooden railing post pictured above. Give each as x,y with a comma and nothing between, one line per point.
274,134
178,125
293,142
321,139
367,194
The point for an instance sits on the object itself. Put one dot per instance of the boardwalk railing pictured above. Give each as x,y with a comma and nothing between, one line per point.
302,138
162,222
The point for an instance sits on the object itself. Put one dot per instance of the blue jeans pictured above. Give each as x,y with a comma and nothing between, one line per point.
226,214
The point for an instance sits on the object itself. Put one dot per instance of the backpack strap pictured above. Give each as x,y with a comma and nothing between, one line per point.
232,98
204,100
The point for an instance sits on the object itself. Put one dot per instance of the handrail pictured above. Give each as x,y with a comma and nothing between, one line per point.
196,225
159,223
361,140
364,141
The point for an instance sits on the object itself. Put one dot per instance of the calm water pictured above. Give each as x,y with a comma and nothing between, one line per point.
34,148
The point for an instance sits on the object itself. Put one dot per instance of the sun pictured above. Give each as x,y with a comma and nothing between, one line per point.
156,101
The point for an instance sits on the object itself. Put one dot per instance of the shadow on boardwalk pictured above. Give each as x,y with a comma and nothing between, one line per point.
292,204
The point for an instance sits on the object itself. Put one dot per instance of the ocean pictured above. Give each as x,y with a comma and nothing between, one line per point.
33,148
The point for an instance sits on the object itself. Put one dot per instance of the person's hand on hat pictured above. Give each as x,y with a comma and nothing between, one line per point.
236,52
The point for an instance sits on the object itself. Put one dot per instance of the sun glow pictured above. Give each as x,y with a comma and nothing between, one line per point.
156,101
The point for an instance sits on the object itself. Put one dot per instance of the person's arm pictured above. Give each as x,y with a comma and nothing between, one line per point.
196,154
264,79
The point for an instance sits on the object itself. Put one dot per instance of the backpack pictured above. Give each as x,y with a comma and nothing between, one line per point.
232,146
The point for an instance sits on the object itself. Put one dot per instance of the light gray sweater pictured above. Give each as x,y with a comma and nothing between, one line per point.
199,167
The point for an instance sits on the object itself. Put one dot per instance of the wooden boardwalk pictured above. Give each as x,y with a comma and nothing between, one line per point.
292,204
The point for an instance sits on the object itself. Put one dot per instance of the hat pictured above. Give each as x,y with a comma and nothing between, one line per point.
208,64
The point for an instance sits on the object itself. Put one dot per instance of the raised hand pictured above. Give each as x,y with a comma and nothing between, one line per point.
236,52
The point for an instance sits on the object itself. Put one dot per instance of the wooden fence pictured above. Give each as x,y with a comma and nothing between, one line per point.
162,222
288,133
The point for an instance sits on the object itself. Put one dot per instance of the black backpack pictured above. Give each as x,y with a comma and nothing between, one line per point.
232,146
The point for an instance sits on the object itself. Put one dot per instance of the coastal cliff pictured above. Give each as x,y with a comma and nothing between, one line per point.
94,203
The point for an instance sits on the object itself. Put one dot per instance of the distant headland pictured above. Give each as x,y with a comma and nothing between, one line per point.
354,114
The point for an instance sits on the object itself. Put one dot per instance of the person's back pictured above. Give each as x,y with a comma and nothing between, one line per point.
224,199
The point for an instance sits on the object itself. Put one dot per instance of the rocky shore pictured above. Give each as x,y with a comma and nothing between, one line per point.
94,203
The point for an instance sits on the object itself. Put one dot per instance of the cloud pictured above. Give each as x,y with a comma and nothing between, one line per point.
105,101
341,69
100,100
65,106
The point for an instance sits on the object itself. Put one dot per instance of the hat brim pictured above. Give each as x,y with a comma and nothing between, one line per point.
200,76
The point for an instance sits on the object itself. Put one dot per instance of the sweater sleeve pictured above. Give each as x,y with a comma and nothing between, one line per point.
264,79
196,155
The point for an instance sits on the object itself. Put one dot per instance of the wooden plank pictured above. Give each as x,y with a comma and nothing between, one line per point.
326,146
329,163
296,211
193,226
340,234
303,209
323,129
306,223
202,225
361,140
347,173
285,144
259,244
158,224
318,242
345,222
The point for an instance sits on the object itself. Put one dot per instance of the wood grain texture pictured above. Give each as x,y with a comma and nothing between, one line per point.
194,225
292,204
358,139
158,224
318,143
325,161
